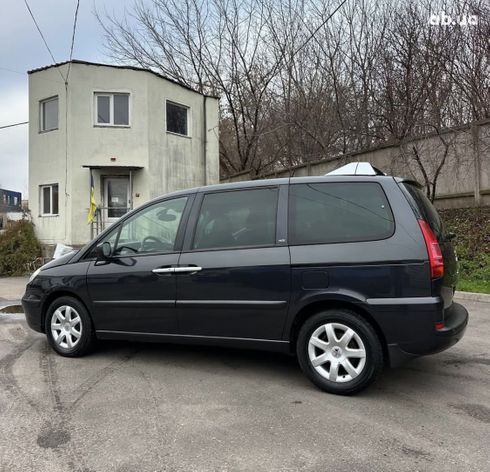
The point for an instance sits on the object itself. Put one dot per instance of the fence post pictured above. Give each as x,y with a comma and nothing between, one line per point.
475,134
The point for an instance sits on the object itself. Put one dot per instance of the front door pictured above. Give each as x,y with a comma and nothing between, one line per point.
134,291
233,278
116,198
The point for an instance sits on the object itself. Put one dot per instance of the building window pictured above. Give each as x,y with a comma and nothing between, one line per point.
177,119
49,200
48,114
112,109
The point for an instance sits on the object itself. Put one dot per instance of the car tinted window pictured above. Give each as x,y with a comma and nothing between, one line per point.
338,212
153,229
237,218
425,208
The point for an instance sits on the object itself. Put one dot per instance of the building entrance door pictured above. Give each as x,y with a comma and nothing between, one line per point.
116,197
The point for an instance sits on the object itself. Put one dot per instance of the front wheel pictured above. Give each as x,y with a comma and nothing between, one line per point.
339,351
69,327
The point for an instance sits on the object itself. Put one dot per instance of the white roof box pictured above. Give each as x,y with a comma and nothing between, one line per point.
357,168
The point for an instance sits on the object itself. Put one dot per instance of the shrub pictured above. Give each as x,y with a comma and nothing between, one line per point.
19,248
472,228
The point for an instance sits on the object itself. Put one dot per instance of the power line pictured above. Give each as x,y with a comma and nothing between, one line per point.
73,38
14,124
12,70
25,75
42,36
312,35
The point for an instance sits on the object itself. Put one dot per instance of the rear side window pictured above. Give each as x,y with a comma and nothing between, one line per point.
236,219
425,208
338,212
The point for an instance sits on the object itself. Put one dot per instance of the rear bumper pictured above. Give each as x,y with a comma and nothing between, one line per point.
455,320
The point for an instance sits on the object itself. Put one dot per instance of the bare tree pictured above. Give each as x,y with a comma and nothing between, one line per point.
298,84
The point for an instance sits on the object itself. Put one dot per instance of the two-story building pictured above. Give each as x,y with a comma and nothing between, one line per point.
131,132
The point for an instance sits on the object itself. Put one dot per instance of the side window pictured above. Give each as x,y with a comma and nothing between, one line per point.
177,118
338,212
48,114
49,200
237,218
153,229
112,109
427,210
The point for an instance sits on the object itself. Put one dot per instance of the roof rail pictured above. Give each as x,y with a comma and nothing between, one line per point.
357,168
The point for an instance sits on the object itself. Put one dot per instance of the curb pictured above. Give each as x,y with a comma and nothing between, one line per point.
476,297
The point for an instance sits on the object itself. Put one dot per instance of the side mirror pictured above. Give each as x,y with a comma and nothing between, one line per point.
104,251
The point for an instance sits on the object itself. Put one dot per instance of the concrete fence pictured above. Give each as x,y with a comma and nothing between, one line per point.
462,181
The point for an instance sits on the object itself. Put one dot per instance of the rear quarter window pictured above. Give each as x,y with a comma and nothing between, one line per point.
424,207
338,212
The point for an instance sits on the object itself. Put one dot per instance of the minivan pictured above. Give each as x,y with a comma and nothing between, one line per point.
349,272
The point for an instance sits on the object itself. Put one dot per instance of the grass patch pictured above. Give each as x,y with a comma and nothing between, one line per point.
469,285
472,228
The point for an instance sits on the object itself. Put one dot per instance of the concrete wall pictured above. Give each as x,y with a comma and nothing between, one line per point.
169,162
464,180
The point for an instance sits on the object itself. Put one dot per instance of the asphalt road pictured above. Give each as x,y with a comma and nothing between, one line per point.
135,407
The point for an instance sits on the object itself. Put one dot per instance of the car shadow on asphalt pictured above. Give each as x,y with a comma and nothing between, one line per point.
264,364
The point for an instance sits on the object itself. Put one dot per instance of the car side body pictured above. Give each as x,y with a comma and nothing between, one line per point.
260,295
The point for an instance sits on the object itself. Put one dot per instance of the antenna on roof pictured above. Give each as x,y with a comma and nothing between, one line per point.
356,168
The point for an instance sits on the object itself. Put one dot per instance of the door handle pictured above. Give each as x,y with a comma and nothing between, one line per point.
187,269
164,270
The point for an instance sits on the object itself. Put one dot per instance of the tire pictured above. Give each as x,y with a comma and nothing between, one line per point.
69,328
345,349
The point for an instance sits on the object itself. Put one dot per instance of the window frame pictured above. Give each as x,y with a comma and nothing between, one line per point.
43,102
189,127
364,240
117,227
111,95
281,208
41,199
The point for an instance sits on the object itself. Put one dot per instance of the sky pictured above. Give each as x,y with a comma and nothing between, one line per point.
22,49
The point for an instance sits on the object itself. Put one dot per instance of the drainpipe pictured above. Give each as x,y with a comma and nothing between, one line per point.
130,189
205,140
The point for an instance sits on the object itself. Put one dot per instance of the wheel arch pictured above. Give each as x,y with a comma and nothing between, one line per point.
58,294
317,306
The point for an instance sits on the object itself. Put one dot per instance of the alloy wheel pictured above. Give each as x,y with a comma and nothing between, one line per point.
337,352
66,327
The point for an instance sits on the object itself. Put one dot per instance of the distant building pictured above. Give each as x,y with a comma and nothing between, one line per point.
136,132
10,206
10,201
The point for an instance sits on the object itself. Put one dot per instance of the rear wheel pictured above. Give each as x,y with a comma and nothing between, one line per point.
339,351
69,327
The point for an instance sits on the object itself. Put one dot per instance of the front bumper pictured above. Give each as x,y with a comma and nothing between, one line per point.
32,305
455,320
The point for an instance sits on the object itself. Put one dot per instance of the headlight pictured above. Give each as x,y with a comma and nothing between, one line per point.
34,275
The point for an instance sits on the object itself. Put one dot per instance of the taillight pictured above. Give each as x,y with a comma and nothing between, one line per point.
434,250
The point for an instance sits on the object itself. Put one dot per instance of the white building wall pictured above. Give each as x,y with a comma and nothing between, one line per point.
169,162
47,156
